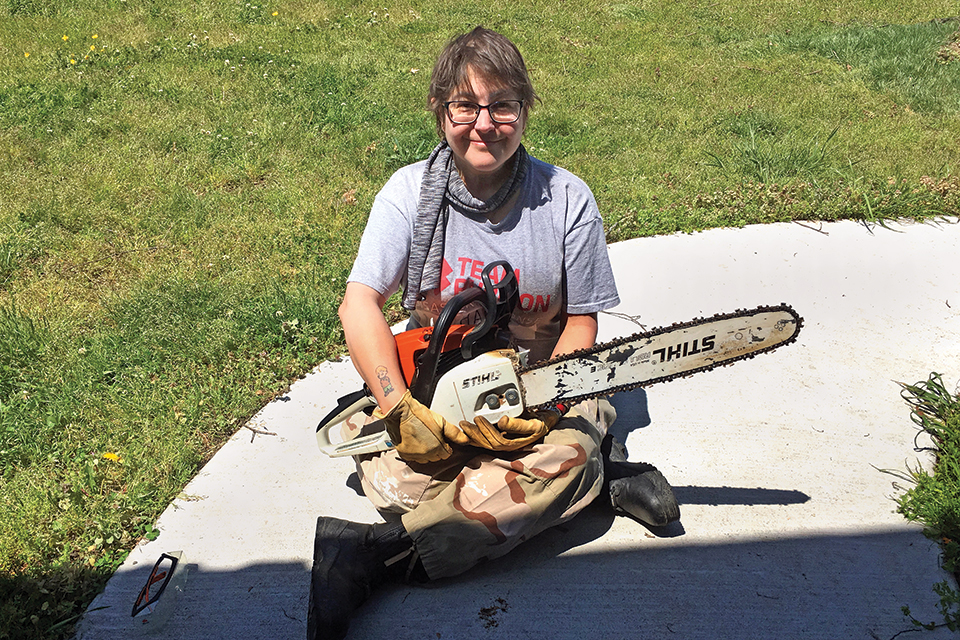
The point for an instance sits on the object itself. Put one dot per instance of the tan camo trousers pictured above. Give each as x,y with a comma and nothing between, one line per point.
478,505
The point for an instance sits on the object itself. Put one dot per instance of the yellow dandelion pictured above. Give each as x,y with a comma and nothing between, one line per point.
95,36
65,37
93,47
112,457
26,54
72,61
275,13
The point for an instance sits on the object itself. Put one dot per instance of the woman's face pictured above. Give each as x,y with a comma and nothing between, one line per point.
483,148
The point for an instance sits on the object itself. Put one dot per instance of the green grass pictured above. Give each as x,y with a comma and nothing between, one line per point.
933,499
182,191
899,60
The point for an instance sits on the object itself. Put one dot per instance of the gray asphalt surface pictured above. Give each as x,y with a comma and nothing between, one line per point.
788,525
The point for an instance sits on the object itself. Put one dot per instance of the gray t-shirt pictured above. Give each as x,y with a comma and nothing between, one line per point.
553,238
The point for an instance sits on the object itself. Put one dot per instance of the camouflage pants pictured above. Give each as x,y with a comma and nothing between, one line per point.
478,505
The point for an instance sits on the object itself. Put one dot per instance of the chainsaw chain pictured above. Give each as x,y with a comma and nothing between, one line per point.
739,313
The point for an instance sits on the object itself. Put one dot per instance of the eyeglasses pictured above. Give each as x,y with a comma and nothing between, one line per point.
156,583
502,112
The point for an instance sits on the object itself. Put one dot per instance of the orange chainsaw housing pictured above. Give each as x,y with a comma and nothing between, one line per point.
410,344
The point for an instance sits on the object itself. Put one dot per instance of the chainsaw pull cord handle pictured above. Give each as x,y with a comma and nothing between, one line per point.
424,381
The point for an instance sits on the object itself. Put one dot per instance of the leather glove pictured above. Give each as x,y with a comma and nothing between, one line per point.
509,434
420,434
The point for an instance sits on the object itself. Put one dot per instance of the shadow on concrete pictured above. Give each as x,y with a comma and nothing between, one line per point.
823,586
738,495
834,586
353,482
259,601
632,413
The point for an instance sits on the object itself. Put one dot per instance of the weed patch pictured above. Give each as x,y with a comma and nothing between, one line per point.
772,161
933,500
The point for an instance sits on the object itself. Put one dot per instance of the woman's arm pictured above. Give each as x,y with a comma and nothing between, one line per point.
580,332
372,347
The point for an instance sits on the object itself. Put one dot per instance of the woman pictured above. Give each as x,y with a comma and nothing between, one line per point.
469,494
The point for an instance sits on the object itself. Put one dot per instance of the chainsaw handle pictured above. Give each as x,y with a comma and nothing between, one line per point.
348,405
425,378
499,308
498,314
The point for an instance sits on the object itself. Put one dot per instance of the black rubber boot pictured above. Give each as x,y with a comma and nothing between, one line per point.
350,560
637,489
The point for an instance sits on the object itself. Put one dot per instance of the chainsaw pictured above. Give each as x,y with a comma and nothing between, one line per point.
463,371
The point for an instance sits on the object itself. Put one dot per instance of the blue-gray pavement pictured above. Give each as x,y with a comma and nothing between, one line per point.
788,525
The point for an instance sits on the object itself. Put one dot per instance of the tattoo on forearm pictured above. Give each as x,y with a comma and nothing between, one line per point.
384,379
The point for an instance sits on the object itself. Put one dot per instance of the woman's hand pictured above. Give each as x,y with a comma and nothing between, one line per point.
509,434
420,435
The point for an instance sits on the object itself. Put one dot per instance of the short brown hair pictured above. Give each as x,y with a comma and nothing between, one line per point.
488,54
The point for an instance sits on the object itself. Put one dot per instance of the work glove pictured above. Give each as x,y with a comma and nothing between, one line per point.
420,434
509,434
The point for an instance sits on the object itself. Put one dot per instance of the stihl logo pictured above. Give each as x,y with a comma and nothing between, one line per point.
493,376
686,349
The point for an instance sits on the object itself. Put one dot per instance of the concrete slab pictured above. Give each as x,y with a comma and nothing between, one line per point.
788,526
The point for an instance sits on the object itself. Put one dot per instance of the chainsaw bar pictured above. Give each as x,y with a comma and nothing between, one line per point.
659,355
